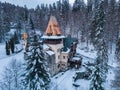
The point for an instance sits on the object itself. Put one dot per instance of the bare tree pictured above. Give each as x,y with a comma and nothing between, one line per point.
11,76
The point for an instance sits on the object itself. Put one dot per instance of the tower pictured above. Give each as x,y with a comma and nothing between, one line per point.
54,39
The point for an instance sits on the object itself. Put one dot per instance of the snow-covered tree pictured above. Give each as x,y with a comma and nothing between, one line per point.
18,28
11,76
7,47
25,16
100,45
36,72
94,22
16,38
96,83
31,23
64,14
12,45
117,51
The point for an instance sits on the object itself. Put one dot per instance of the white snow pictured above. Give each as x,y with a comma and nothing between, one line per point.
76,58
52,37
6,60
63,80
12,31
38,32
89,53
18,47
84,84
2,50
50,52
68,50
45,47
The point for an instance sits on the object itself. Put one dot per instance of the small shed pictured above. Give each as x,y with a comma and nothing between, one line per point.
75,62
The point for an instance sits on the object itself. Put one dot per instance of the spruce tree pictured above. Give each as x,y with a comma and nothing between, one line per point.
16,39
19,27
94,23
96,83
99,74
117,51
36,75
31,23
7,47
12,45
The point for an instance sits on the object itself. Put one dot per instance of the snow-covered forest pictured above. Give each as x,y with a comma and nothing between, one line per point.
95,24
77,19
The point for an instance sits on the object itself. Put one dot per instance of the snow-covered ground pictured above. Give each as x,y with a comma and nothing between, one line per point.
90,53
6,59
63,80
18,47
2,50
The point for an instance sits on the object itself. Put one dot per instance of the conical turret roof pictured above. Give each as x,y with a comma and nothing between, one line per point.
53,28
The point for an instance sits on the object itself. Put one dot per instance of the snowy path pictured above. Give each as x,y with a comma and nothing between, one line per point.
18,48
87,54
5,57
64,82
87,57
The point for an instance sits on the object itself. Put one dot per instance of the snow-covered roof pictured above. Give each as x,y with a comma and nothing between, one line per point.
50,52
45,46
52,37
76,58
68,50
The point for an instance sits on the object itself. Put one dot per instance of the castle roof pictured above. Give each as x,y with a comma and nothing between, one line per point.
68,41
53,28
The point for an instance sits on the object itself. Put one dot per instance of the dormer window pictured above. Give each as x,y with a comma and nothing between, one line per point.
49,34
63,57
58,34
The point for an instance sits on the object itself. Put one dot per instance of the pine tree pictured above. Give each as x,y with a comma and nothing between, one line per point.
100,45
12,45
16,39
19,27
36,75
117,51
25,13
31,23
94,23
1,35
96,80
64,14
7,47
11,79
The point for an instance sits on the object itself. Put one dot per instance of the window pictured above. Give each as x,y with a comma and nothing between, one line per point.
58,65
63,57
63,64
58,50
59,57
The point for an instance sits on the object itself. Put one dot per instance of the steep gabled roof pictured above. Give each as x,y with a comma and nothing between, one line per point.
53,28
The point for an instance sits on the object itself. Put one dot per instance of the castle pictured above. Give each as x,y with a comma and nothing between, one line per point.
59,49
